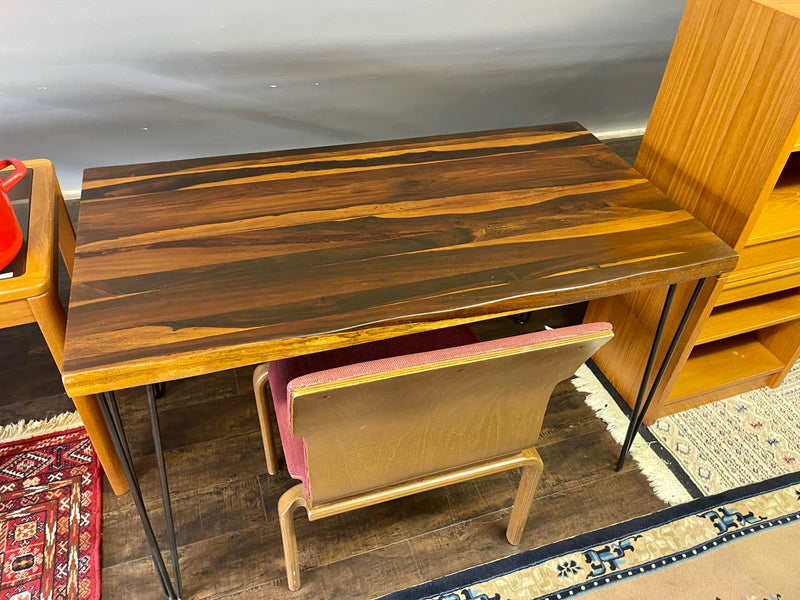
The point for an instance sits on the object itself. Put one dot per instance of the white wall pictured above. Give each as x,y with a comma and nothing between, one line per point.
92,83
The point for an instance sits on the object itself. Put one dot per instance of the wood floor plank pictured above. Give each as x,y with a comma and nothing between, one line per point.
181,393
364,576
203,465
229,562
553,517
206,514
225,416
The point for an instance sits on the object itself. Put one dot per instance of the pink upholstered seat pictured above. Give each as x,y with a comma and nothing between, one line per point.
291,374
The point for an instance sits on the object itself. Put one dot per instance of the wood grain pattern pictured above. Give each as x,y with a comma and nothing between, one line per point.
635,317
741,317
782,341
722,366
766,283
780,217
726,116
723,126
229,539
199,265
769,257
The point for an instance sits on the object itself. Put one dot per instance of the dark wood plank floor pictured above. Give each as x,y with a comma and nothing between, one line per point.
225,503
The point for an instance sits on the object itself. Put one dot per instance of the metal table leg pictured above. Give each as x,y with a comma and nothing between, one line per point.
162,475
640,408
110,412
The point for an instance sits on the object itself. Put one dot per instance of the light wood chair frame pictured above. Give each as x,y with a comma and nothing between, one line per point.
527,459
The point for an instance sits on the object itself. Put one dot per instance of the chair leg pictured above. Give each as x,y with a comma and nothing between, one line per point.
288,502
522,503
262,404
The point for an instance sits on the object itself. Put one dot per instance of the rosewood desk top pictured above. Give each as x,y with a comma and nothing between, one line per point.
193,266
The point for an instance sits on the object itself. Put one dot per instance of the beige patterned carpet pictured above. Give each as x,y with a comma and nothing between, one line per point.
740,544
712,448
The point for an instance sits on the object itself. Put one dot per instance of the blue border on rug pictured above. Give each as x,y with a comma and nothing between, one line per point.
475,575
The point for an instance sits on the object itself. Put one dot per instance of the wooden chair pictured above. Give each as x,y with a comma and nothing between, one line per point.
383,420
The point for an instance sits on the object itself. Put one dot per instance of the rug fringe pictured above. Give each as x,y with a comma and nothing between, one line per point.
663,481
27,429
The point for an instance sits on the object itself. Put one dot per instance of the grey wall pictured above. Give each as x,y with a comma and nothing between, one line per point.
91,83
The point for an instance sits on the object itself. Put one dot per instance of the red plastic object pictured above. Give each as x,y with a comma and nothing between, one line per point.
10,232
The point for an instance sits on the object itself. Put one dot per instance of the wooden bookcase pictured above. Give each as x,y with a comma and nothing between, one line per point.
724,142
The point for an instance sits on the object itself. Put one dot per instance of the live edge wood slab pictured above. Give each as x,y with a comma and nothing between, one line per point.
194,266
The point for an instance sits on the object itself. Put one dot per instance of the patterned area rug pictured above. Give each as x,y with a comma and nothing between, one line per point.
50,503
738,544
740,440
712,448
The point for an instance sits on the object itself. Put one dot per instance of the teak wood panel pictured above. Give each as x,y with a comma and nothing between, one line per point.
780,217
722,128
749,315
720,365
635,318
782,341
769,257
766,283
727,113
199,265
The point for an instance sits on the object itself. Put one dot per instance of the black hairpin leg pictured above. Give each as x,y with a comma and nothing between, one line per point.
640,409
110,412
162,475
521,318
160,389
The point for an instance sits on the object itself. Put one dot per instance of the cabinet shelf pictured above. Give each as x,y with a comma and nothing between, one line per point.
780,217
722,369
766,283
750,315
720,134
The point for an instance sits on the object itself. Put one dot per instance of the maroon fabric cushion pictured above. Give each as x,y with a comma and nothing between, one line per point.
281,372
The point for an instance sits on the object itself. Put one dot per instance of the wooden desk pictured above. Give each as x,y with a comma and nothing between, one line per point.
29,289
189,267
194,266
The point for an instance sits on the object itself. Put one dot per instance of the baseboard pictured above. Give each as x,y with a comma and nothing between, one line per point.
619,133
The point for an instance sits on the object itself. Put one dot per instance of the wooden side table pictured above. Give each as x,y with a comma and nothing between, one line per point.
29,291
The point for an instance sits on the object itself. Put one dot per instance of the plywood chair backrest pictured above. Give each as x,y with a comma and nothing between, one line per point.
379,423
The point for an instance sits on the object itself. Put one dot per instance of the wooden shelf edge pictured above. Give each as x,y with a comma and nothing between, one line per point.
717,369
749,315
736,291
676,405
780,216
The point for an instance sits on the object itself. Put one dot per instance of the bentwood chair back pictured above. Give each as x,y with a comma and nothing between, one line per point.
422,412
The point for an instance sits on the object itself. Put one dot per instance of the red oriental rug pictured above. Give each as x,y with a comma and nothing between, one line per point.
50,512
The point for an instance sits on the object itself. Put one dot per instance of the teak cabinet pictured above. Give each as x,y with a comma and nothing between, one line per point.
723,141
